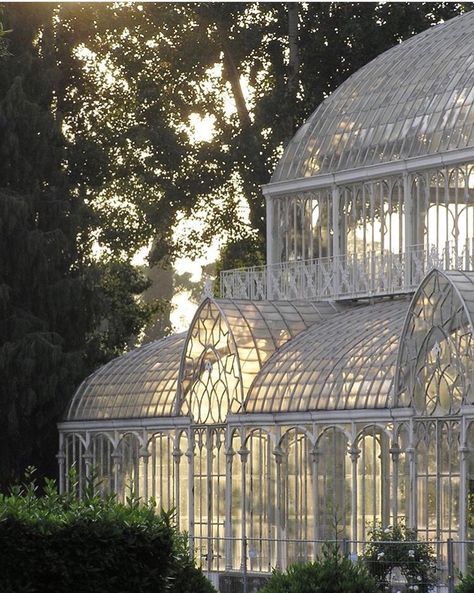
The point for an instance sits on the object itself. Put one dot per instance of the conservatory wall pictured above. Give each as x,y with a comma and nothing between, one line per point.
340,429
363,238
429,211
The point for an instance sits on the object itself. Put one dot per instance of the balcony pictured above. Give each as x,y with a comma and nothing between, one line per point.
344,277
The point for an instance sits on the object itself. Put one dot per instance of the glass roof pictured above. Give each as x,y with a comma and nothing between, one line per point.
436,354
463,282
346,362
144,383
415,99
139,384
261,327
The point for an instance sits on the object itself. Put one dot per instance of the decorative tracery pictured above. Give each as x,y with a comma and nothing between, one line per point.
435,360
210,376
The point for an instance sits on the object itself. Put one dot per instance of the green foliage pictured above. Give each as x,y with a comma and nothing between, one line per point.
241,253
3,42
332,573
466,584
397,547
133,136
42,297
58,543
61,313
185,576
115,289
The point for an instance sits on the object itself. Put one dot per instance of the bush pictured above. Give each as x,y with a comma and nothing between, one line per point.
59,544
396,547
466,584
332,573
185,576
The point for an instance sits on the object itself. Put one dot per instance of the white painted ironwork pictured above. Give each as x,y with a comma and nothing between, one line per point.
305,374
345,276
413,100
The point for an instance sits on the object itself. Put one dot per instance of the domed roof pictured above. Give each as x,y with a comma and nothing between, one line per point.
415,99
141,383
144,383
346,362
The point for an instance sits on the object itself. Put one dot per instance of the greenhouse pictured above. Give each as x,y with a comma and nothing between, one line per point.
330,389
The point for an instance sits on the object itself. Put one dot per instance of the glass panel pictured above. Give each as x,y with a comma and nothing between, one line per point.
438,478
436,358
372,473
209,496
398,106
103,463
305,226
334,486
161,471
330,366
299,512
75,463
261,502
403,478
210,379
138,384
128,467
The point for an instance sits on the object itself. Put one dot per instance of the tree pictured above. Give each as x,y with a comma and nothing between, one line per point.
255,71
3,42
61,313
40,290
241,253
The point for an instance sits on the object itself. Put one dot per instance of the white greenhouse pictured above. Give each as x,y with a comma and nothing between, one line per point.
332,388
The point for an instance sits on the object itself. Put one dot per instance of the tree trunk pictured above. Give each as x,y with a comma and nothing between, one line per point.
293,67
251,164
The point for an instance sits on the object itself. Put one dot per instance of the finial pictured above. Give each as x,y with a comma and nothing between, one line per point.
207,290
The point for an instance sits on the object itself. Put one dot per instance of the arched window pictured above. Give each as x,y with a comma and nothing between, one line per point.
334,485
436,350
209,494
403,475
210,376
372,481
129,464
75,463
102,462
438,478
261,504
298,511
161,471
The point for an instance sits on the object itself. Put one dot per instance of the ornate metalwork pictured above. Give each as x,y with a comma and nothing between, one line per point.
436,356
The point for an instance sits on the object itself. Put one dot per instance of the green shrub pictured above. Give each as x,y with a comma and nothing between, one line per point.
185,576
396,547
59,544
332,573
466,584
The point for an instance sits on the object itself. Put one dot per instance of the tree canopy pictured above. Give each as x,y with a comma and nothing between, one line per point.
61,312
150,74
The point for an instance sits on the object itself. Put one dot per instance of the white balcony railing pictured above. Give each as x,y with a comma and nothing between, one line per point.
347,276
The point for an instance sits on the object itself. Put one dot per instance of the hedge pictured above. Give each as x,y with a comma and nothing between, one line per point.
59,544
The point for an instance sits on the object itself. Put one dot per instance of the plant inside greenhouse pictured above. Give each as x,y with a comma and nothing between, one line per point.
332,573
394,554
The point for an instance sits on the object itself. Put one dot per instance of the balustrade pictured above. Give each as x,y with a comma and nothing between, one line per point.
346,276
